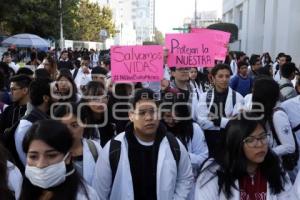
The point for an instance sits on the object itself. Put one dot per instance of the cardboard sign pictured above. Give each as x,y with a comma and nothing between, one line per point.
136,63
221,40
190,50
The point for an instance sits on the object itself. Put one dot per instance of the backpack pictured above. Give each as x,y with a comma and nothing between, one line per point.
75,73
93,149
8,140
115,152
289,161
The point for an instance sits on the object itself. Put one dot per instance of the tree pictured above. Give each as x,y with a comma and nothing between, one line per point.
82,20
91,19
158,37
39,17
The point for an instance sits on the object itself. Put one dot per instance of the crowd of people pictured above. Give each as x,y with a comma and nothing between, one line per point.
227,132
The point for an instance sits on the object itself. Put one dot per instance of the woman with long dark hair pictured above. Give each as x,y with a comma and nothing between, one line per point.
10,177
66,90
177,118
49,173
246,168
84,152
265,100
95,113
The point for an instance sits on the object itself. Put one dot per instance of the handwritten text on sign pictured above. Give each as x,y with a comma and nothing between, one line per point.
187,50
221,40
136,63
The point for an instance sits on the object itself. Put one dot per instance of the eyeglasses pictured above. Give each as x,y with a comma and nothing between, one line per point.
14,89
183,69
252,141
142,113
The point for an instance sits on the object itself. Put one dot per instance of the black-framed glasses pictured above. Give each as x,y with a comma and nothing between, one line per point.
142,113
252,141
15,88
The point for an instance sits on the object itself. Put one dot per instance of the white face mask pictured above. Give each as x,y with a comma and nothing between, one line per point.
50,176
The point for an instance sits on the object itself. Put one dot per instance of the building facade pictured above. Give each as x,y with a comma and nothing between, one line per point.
134,20
265,26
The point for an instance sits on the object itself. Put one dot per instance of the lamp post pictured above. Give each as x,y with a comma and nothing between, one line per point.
61,25
195,14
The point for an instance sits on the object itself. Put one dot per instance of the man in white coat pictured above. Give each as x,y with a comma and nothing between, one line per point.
144,162
217,106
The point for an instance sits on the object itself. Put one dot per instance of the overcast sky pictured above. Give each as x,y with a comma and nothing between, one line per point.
171,13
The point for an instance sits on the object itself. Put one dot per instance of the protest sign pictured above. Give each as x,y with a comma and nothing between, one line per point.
221,40
137,63
188,50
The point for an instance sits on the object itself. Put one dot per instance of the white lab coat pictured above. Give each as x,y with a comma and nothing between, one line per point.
248,102
89,162
90,191
81,79
171,183
207,187
197,147
15,179
198,152
203,110
284,133
296,186
292,108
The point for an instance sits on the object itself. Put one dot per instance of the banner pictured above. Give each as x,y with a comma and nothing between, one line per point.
221,40
190,50
136,63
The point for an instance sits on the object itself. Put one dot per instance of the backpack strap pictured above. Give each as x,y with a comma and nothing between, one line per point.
75,73
286,85
209,97
174,146
296,128
275,134
114,157
93,149
233,98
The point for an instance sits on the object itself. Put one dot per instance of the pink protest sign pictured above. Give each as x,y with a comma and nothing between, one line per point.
188,50
221,40
136,63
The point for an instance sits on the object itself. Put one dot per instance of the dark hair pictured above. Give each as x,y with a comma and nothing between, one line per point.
5,192
33,56
142,94
63,110
288,58
265,71
232,159
86,57
239,55
41,74
242,63
288,69
58,136
183,128
218,67
266,92
39,88
7,53
66,74
22,80
280,55
53,133
99,70
253,59
25,70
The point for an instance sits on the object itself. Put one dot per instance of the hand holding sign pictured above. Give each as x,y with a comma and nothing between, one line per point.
136,63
